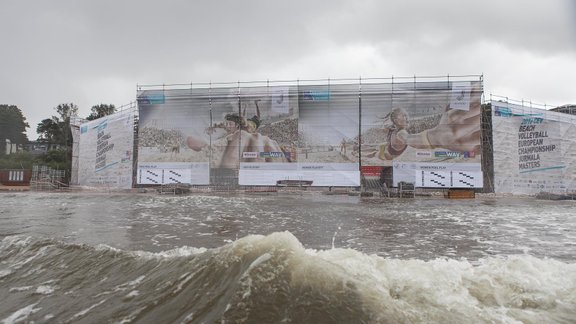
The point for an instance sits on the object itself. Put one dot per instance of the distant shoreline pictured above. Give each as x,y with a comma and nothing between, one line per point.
269,190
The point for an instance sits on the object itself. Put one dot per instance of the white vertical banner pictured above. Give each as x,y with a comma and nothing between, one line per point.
106,151
533,150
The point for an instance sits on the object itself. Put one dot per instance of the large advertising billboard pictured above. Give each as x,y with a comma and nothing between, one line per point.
204,136
315,134
533,150
167,119
329,117
106,151
263,141
426,133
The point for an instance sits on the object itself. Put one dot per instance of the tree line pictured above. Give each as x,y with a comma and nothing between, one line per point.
54,133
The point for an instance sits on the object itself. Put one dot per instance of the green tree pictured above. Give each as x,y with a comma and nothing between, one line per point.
12,126
18,160
57,159
101,110
56,130
65,111
49,131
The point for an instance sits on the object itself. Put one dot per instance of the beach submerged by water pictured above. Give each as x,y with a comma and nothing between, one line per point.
97,257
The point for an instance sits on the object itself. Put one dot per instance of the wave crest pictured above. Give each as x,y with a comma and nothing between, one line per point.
273,278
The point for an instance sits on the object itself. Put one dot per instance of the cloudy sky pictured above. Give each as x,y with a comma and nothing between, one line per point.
92,52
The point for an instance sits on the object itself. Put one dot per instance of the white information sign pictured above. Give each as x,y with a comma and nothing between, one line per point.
105,156
533,150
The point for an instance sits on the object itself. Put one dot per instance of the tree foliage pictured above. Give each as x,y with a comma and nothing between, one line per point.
56,130
101,110
12,126
65,111
55,159
49,131
18,160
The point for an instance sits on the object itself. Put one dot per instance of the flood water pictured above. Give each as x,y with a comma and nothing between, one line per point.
292,258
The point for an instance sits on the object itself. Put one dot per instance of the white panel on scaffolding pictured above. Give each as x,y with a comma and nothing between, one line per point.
177,176
467,179
150,176
434,179
167,173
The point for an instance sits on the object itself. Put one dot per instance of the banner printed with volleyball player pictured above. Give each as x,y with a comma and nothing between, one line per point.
255,130
417,130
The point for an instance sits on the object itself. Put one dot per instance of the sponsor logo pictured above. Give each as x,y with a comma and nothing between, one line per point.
250,155
460,96
532,120
151,99
271,154
502,112
423,154
370,170
455,155
507,112
433,167
83,129
102,125
316,95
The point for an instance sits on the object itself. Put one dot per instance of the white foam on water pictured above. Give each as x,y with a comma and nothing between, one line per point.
261,259
183,251
104,247
518,288
86,311
130,318
123,287
19,289
334,236
21,314
248,280
507,289
45,290
5,273
136,281
20,264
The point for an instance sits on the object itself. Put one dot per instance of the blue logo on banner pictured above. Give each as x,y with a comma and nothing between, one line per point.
83,129
455,155
271,154
101,126
506,112
316,95
502,112
151,99
447,154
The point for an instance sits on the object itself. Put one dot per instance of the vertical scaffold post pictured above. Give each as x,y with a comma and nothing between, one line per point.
392,92
210,129
239,126
360,124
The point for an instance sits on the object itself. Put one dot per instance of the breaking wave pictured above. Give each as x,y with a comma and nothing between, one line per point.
273,278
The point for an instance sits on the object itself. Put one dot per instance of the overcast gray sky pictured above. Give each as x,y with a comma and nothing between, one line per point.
92,52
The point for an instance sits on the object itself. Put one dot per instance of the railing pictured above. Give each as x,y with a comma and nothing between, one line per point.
46,178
